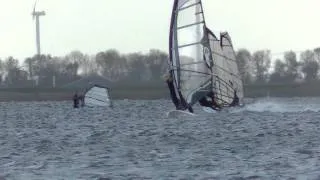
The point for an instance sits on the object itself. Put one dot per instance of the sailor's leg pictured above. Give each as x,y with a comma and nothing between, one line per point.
75,103
190,109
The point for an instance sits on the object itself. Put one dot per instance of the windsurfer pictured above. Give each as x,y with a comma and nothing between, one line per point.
213,100
207,103
235,101
75,100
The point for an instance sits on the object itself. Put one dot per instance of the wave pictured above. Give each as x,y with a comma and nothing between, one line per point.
282,105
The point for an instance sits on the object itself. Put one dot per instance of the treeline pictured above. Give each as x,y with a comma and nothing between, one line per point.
132,67
255,68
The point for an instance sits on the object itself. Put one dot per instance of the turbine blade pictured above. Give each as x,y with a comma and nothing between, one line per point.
35,3
34,6
34,9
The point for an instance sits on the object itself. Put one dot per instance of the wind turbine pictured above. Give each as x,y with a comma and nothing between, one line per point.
37,14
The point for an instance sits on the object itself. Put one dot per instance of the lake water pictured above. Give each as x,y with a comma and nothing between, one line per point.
267,139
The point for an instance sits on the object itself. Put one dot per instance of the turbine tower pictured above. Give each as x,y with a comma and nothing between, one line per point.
37,14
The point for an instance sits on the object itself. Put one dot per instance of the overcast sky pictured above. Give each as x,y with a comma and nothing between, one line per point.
138,25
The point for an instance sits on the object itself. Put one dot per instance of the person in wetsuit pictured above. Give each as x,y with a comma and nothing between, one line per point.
209,103
75,100
213,100
179,105
235,101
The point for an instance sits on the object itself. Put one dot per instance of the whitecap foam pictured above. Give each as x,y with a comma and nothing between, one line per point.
282,105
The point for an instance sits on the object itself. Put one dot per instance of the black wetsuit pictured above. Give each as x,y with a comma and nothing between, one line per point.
235,101
75,101
212,104
206,103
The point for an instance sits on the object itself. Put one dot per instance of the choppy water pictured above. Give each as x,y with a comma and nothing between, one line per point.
268,139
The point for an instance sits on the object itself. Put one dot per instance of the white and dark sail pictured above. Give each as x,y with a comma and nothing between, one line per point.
97,96
227,79
231,65
200,62
190,52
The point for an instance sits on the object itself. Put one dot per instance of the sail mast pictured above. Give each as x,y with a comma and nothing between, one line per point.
198,29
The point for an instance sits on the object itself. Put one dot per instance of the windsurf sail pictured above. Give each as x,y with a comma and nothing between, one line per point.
199,62
231,65
190,52
97,96
228,80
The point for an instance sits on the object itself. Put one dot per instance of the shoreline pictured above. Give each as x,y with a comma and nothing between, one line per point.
152,92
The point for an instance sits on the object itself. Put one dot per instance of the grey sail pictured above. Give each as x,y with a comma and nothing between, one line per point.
97,96
227,80
231,64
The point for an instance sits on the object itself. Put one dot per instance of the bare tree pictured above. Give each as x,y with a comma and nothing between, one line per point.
244,62
13,72
137,67
279,73
262,62
310,65
83,60
292,66
156,61
111,64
